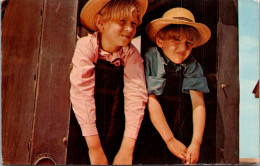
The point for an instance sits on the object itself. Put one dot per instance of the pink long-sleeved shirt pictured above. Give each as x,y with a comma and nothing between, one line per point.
82,79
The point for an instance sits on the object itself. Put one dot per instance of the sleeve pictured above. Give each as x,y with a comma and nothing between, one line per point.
194,78
154,74
82,79
135,93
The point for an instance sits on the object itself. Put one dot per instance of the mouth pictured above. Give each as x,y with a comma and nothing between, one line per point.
127,36
181,54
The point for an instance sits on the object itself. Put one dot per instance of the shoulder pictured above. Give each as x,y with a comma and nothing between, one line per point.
133,50
87,41
87,47
152,55
131,54
194,78
190,61
192,67
151,52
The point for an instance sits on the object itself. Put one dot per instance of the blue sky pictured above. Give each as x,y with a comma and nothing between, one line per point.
248,76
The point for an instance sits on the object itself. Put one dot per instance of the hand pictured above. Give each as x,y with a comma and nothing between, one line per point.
193,153
123,158
177,148
125,153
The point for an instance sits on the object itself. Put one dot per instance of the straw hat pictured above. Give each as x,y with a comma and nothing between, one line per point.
93,7
178,16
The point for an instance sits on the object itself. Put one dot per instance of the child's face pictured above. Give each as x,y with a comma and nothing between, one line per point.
118,33
177,49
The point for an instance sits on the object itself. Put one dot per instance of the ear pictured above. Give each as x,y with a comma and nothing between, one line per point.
159,41
99,22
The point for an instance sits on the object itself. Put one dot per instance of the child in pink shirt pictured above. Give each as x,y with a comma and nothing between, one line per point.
108,79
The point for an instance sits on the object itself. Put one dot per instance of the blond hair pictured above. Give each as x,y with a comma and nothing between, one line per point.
118,9
173,31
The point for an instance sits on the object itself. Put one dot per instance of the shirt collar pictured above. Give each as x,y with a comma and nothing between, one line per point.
112,57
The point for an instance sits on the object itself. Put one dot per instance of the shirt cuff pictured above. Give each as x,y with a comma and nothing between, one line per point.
131,131
89,129
199,84
155,85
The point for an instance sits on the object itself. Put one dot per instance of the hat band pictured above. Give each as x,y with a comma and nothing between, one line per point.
183,18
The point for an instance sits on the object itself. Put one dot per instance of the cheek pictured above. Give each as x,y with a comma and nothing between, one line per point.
114,27
168,51
106,27
189,51
171,48
134,31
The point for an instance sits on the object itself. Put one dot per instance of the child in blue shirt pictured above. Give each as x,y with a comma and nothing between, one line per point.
176,84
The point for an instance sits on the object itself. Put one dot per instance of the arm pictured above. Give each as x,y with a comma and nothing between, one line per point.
158,119
199,118
96,153
125,153
135,96
82,79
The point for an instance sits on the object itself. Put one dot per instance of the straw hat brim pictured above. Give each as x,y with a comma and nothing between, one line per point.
93,7
156,25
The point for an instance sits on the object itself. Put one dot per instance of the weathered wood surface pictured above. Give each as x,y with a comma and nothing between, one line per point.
21,34
52,114
38,40
228,83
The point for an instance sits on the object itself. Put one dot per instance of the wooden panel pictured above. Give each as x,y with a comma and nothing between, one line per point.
21,31
228,83
53,102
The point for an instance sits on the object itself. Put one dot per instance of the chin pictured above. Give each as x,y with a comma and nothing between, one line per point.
178,61
125,44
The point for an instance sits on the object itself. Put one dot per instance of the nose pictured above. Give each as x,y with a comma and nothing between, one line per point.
129,27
